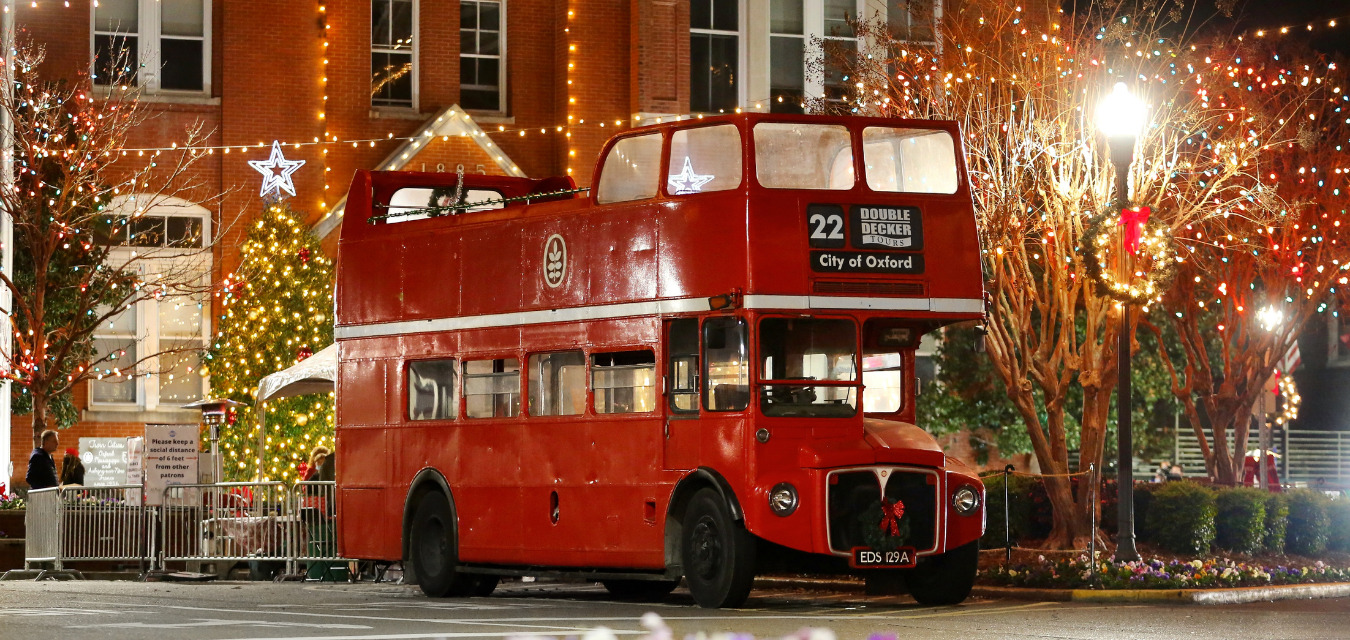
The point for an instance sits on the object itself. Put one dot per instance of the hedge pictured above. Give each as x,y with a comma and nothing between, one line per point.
1019,511
1181,517
1240,523
1277,522
1308,523
1340,525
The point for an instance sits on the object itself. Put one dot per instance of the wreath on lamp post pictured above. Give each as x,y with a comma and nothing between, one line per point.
1155,257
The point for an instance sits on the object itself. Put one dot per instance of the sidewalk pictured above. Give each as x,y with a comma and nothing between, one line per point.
1239,595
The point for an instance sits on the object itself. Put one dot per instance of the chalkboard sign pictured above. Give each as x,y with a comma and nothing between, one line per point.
105,461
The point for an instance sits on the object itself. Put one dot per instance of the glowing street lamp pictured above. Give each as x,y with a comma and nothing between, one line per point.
1120,117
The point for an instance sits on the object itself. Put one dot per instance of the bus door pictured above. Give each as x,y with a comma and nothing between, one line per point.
682,394
724,380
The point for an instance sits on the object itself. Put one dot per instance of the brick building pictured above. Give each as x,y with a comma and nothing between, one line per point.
510,87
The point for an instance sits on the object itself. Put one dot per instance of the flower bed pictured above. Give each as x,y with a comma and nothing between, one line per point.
1073,573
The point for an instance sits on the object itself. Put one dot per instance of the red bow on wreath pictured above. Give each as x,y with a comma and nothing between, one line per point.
890,516
1133,219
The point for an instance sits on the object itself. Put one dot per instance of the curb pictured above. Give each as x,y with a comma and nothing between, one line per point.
1237,595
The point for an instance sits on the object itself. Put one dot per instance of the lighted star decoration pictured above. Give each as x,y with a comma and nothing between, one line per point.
687,181
276,171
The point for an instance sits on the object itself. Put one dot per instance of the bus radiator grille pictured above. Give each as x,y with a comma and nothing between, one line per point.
906,289
854,519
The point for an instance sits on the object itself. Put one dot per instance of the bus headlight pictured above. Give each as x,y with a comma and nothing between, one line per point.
783,499
966,500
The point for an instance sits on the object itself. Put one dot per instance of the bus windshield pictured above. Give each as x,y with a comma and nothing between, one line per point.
793,350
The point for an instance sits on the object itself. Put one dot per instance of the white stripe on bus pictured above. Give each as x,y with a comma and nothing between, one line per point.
655,307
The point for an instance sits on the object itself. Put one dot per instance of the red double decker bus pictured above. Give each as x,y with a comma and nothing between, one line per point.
701,369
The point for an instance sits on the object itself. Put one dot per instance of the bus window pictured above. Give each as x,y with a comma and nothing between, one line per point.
909,160
557,383
492,388
704,159
624,382
632,170
683,353
414,203
808,349
883,382
726,364
803,156
431,390
885,343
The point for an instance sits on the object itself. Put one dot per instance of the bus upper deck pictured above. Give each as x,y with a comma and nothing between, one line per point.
768,211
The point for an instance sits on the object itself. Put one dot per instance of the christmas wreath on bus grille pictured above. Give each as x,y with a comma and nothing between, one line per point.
884,525
1150,241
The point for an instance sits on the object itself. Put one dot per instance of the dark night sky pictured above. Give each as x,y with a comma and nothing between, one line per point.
1250,15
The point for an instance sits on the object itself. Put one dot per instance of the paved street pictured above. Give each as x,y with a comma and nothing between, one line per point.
96,610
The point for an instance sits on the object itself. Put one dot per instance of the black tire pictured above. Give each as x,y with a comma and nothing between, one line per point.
945,579
433,549
485,585
717,552
640,590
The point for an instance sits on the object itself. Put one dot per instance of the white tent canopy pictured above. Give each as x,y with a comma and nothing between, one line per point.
315,374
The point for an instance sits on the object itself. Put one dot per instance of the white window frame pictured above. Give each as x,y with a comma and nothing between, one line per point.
416,60
756,45
501,59
148,53
147,330
742,49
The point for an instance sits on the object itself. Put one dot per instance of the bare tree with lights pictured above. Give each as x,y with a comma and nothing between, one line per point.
76,195
1262,270
1024,87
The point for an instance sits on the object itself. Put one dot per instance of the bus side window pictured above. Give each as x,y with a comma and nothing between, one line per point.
557,383
492,388
632,170
624,382
682,349
726,363
431,390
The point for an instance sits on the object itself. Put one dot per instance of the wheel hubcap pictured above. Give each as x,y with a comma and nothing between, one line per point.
707,549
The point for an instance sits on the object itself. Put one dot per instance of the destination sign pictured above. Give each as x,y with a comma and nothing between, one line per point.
866,262
886,227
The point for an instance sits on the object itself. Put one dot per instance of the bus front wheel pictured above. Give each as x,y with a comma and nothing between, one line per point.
433,549
717,552
945,579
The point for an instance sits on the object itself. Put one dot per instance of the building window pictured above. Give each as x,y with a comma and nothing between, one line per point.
161,45
715,55
911,20
171,332
480,55
392,24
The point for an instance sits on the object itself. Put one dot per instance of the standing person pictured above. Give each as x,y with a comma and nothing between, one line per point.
72,469
41,466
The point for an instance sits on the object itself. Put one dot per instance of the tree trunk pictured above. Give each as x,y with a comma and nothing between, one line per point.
39,419
1069,516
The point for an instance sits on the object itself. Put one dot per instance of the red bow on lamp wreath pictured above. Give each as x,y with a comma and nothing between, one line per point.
1150,241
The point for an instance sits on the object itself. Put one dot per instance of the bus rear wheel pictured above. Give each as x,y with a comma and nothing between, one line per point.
640,590
717,552
433,549
945,579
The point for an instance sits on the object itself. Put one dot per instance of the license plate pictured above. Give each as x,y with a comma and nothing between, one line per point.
864,558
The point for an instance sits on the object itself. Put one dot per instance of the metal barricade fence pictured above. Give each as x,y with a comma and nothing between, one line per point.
42,540
239,521
86,523
316,534
229,521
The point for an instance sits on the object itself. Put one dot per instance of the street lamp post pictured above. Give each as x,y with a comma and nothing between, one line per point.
1120,116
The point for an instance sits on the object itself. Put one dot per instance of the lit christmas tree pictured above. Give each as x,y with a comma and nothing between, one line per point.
277,308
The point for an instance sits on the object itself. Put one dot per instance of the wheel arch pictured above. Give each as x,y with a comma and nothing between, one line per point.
426,480
691,483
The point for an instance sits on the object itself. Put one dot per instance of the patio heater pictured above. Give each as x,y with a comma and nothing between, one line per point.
214,411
